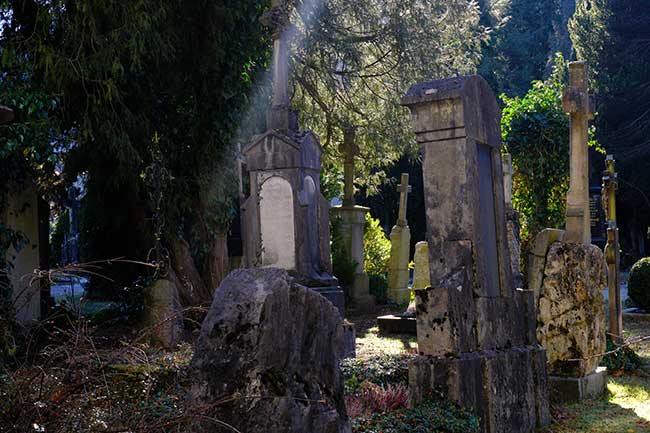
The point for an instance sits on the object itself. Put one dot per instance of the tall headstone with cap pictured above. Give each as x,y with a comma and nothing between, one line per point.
475,330
285,216
400,244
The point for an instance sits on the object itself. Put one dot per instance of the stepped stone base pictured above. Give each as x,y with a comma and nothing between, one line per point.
507,389
334,294
576,389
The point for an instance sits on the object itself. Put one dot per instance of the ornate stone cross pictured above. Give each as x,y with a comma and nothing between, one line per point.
349,149
278,20
580,106
404,189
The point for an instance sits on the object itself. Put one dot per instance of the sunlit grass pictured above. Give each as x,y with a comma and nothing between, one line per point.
370,343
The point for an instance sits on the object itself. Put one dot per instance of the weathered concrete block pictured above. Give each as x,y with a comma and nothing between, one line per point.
273,347
575,389
571,309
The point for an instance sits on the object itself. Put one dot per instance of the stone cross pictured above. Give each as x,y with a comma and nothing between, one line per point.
349,150
280,117
612,250
579,105
404,189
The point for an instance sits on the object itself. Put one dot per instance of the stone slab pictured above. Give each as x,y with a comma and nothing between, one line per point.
392,324
576,389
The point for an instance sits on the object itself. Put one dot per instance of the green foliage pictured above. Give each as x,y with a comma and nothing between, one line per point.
432,416
625,358
376,248
535,132
354,60
524,36
639,284
381,370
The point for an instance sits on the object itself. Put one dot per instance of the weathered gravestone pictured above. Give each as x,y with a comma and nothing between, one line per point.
476,332
567,274
400,245
285,216
270,348
353,222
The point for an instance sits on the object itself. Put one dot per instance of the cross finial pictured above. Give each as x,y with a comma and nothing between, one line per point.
156,138
404,189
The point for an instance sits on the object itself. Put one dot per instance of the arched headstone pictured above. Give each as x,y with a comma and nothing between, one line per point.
276,220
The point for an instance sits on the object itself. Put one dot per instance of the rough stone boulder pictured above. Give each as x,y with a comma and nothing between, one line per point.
571,308
272,348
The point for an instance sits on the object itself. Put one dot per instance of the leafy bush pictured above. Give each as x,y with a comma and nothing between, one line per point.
432,416
638,284
625,359
382,370
376,248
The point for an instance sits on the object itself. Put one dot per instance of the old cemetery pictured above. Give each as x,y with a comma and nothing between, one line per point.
324,217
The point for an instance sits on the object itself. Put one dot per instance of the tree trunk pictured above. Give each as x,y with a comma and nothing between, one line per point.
191,287
216,265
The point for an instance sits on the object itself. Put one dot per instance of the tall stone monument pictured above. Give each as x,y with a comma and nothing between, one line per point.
285,216
578,103
353,221
20,214
400,244
612,251
567,274
476,332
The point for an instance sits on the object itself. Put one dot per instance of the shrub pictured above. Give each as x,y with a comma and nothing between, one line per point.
381,370
638,284
376,247
431,416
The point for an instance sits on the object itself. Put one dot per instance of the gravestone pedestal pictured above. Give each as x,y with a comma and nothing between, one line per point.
476,331
353,221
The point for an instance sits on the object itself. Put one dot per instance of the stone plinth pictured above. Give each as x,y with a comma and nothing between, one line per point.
21,215
398,265
476,331
272,348
571,309
576,389
353,221
421,273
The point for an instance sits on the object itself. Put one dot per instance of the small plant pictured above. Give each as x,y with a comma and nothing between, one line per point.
431,416
378,286
625,359
639,284
373,398
381,370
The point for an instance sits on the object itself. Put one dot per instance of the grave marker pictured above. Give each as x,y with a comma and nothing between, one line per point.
475,331
400,244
